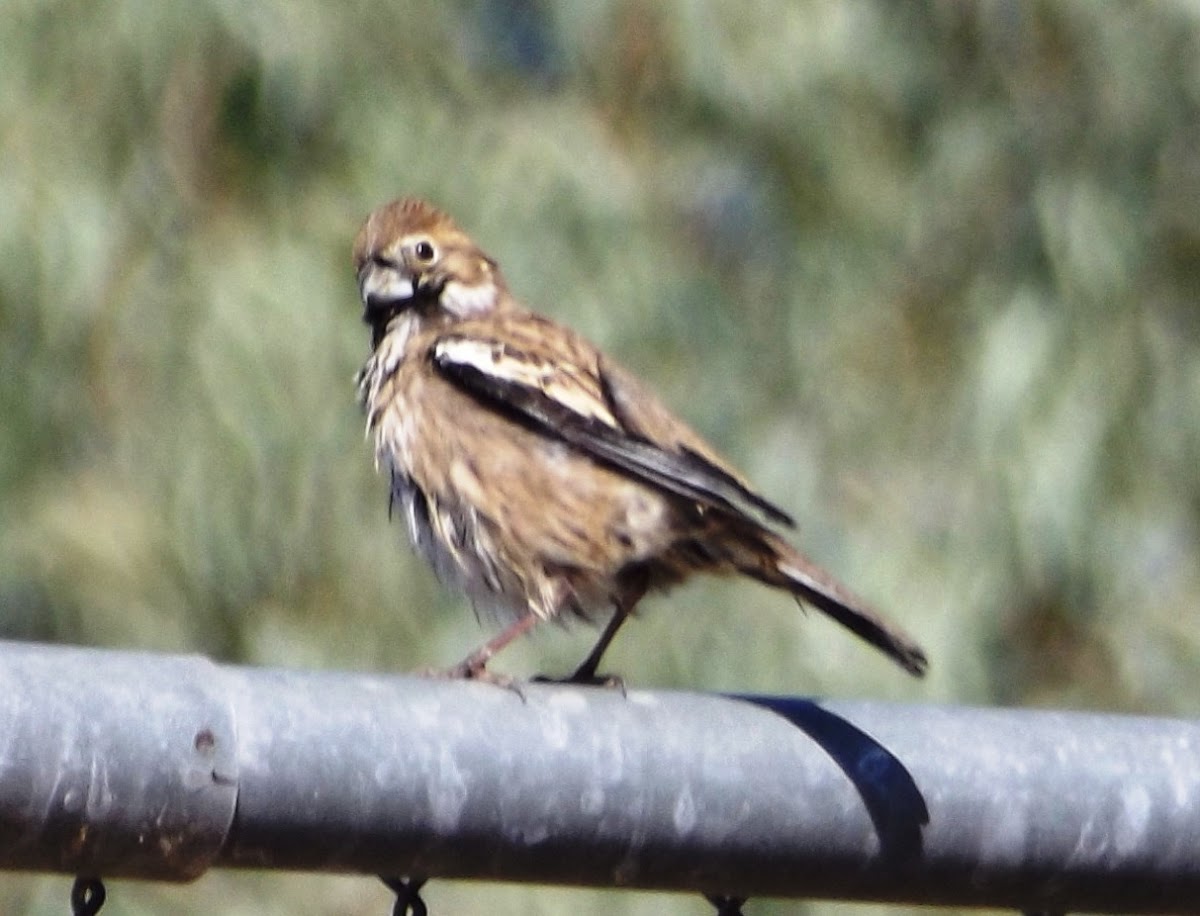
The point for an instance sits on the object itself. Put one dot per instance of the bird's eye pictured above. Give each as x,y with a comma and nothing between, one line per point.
424,250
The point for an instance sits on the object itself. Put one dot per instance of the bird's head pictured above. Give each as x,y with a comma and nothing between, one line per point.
409,256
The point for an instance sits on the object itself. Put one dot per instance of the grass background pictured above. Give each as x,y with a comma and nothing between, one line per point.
927,271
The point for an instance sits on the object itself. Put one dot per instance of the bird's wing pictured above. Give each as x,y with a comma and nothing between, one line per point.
555,382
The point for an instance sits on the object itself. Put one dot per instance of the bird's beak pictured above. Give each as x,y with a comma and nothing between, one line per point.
384,289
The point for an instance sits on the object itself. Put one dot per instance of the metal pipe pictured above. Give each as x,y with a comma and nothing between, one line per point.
744,796
114,763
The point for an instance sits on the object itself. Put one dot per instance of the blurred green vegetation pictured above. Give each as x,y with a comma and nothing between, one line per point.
928,271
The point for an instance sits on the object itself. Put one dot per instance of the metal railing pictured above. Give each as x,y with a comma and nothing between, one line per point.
119,764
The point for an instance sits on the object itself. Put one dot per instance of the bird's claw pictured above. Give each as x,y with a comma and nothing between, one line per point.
471,669
581,678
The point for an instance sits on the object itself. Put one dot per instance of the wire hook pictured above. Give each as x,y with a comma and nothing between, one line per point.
408,896
726,906
87,896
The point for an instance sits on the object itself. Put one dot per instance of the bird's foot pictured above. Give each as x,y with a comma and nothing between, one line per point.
585,677
474,668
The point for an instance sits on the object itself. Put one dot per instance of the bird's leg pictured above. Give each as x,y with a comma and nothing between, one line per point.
622,608
586,672
474,666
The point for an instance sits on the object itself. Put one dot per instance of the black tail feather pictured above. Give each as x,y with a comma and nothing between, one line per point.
811,584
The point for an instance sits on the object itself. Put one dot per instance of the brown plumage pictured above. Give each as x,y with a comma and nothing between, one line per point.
532,471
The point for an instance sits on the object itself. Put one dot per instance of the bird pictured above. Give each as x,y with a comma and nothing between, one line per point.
537,475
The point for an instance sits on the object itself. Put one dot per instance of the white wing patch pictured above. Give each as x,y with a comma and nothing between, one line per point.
568,386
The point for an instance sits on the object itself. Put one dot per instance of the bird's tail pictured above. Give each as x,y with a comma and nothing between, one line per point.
782,566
